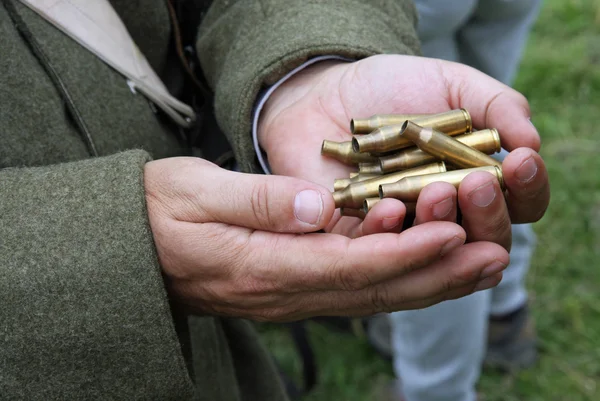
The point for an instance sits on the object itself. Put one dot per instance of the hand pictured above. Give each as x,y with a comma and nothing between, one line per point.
319,102
229,244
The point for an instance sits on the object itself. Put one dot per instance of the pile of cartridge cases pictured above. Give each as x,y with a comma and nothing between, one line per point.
398,155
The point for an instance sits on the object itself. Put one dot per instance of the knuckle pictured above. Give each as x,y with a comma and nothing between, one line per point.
411,263
259,203
460,275
348,279
447,284
379,299
230,247
495,227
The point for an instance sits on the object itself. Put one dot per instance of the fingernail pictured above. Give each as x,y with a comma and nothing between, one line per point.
527,170
442,209
484,195
530,122
453,243
494,268
390,222
308,206
486,284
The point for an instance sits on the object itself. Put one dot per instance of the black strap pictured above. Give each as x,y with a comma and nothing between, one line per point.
191,87
304,349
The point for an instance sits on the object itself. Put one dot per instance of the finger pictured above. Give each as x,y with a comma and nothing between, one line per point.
333,305
316,261
484,211
386,216
492,104
526,179
457,293
202,192
343,225
462,271
484,284
437,202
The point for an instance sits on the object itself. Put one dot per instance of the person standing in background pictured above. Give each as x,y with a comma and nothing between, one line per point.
438,352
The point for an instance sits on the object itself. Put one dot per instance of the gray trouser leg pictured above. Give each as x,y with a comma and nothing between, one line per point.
438,351
494,39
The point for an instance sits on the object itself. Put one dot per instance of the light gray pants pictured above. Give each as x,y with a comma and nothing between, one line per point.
438,351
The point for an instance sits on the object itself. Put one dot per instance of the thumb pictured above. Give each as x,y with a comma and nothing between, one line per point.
492,104
208,193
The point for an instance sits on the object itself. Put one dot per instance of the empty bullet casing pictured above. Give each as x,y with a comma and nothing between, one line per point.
411,207
369,203
341,183
371,168
366,125
352,212
486,141
354,194
409,188
343,152
446,148
388,138
364,177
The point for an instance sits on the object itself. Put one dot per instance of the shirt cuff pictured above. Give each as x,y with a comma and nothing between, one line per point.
264,96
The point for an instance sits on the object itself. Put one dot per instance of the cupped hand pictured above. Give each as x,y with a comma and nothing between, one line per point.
241,245
319,102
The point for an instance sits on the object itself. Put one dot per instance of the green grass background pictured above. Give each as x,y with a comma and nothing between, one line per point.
560,75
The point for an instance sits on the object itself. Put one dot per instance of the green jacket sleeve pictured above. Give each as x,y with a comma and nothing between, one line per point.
84,311
244,45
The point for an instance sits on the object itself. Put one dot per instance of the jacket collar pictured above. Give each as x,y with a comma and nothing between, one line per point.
96,26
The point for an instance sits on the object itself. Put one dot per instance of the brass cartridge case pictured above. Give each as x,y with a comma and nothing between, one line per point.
365,125
355,177
445,147
341,183
354,194
388,138
345,211
369,203
343,152
409,188
365,177
486,141
411,207
370,168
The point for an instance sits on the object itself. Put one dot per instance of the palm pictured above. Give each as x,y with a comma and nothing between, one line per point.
327,106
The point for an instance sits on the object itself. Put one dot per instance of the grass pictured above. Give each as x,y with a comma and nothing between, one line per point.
560,75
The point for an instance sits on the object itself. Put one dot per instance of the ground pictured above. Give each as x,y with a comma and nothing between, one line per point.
560,75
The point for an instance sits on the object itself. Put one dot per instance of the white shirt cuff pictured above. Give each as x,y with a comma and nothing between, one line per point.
264,96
